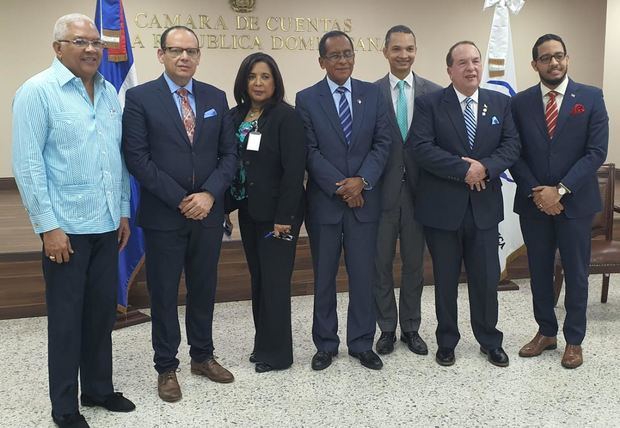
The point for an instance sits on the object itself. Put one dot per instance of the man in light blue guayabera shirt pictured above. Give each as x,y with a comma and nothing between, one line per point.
71,176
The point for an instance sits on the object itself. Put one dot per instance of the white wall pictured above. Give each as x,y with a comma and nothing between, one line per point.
611,84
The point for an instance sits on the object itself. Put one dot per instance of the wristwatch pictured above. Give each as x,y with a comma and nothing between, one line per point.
366,183
561,190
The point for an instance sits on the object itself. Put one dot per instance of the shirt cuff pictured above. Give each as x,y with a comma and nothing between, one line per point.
44,222
125,209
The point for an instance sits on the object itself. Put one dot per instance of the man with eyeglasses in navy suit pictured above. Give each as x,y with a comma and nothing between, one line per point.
178,141
348,142
564,131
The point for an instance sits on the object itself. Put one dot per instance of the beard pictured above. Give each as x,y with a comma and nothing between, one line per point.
553,82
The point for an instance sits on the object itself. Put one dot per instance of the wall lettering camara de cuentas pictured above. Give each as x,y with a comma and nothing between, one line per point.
249,32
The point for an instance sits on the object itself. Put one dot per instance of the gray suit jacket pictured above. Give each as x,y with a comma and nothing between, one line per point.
397,163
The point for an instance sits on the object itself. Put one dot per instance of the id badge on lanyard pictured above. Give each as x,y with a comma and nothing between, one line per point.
254,139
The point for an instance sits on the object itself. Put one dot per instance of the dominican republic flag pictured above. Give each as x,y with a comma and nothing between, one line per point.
499,75
118,68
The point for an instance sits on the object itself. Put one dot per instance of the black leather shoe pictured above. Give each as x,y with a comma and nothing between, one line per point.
74,420
414,342
496,356
445,356
385,344
368,359
262,367
114,402
253,358
322,360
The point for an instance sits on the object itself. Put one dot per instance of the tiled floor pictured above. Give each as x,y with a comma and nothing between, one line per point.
409,391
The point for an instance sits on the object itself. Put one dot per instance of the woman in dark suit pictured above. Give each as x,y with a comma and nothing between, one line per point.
268,191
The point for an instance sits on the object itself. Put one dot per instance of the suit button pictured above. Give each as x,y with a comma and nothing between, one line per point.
246,162
251,183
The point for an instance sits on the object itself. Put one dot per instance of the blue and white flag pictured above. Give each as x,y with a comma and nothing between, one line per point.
499,75
118,68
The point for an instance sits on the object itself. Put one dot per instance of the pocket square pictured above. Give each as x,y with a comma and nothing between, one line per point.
494,120
210,113
577,109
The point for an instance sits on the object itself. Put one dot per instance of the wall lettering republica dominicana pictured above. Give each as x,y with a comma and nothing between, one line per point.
246,31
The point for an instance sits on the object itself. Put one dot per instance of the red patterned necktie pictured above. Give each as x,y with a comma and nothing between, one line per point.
551,113
189,119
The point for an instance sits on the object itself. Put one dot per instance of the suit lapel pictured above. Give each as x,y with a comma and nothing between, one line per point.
200,96
167,99
483,123
419,88
386,91
451,104
538,112
568,102
326,101
358,99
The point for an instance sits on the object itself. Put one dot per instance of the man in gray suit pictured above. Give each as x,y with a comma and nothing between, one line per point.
400,86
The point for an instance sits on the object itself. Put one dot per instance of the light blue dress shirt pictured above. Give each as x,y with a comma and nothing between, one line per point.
67,157
177,98
332,88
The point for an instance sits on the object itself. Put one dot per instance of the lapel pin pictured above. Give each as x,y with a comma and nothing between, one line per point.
572,95
359,101
484,109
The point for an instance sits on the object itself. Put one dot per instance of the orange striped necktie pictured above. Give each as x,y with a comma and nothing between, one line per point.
189,119
551,113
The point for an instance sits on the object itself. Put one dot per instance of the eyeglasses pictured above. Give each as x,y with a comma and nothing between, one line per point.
283,236
177,52
546,59
84,43
338,56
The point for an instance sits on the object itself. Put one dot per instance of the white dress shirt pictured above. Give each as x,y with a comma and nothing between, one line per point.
474,104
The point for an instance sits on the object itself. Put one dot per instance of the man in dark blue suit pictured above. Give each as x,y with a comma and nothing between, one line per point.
564,131
347,137
463,139
178,142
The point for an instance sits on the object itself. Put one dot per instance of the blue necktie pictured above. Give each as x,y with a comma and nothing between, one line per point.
344,113
401,109
470,122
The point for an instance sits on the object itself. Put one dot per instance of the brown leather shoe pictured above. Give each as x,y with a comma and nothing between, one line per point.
537,345
168,387
213,370
572,357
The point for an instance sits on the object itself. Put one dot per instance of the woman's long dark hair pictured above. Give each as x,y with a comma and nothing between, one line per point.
241,82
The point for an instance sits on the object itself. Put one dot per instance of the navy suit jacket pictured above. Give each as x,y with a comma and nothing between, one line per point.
439,142
167,165
330,159
578,149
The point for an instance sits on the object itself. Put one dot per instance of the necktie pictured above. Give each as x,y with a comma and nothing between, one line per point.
551,113
189,119
470,122
344,113
401,109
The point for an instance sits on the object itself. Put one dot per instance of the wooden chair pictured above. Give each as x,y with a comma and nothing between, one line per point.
605,257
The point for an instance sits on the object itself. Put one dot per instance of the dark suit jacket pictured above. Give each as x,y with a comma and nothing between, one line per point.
578,149
397,162
275,173
159,155
439,142
331,159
